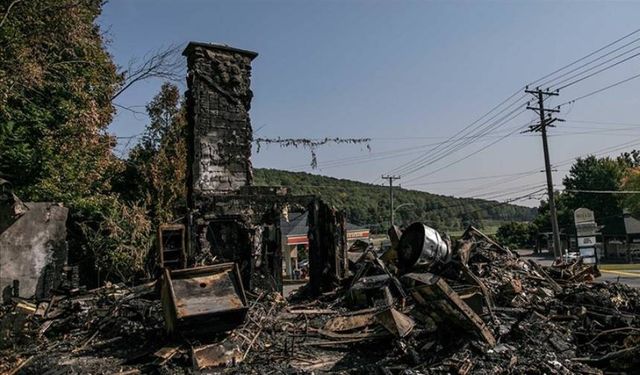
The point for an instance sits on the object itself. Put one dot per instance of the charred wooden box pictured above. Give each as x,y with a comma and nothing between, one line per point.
204,299
171,246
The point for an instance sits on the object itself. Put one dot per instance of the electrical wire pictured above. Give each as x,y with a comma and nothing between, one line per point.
585,57
591,62
422,161
600,90
603,191
479,134
462,131
472,153
598,71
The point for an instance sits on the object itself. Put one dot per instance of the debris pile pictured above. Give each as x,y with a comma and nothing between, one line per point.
481,309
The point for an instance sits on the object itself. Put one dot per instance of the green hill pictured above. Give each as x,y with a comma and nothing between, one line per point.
368,205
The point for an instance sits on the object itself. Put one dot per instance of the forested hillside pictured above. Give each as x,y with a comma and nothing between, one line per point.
368,204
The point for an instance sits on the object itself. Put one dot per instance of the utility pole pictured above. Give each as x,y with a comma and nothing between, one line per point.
390,178
546,121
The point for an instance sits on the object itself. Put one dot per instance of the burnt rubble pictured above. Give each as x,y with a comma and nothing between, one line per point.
484,311
429,305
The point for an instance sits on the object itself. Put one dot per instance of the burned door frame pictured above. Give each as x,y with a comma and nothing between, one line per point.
328,262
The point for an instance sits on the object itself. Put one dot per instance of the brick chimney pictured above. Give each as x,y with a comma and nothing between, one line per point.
219,131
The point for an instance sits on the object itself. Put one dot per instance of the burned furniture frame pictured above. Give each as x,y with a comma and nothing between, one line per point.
204,299
171,246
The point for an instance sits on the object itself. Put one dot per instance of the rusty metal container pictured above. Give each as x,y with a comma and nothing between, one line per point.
204,299
421,245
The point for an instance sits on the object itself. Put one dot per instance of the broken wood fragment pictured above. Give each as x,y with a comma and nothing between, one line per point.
397,323
434,293
215,355
350,322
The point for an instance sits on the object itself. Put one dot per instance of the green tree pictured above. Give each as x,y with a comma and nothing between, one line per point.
471,218
56,85
631,181
592,173
517,234
630,159
368,204
156,167
565,214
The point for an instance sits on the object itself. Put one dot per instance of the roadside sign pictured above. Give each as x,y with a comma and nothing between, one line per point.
586,230
586,241
587,251
588,255
583,215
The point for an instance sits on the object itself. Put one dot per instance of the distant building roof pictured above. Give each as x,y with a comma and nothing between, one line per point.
631,224
297,225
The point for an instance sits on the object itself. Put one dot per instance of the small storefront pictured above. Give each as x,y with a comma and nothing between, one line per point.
622,240
296,247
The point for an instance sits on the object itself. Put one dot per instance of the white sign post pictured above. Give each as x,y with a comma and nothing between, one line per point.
586,231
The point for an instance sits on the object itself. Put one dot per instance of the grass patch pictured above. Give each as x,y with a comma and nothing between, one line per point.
619,267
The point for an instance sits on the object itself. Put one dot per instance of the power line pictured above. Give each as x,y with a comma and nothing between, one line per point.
603,191
597,72
591,62
462,131
507,191
404,151
422,161
585,57
452,149
603,122
561,163
374,156
600,90
485,202
469,179
472,153
507,180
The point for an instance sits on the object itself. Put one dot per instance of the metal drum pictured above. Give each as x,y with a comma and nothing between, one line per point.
421,245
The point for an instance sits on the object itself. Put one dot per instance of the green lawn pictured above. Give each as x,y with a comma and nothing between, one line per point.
619,267
488,230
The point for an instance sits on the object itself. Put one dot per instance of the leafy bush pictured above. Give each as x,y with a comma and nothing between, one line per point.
116,237
517,234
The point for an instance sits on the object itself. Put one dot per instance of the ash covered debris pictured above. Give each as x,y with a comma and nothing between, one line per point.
426,306
484,311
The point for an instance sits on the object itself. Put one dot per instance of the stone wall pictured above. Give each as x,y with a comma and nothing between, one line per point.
33,249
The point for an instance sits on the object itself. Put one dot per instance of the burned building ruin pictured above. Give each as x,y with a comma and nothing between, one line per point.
230,218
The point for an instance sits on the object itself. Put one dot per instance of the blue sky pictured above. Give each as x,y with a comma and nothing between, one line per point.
404,73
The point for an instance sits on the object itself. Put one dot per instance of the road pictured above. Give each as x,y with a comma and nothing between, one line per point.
629,276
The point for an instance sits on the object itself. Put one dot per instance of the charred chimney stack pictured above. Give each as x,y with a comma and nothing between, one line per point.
220,135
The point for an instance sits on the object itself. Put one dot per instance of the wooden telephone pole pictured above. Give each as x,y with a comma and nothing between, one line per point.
391,178
545,121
